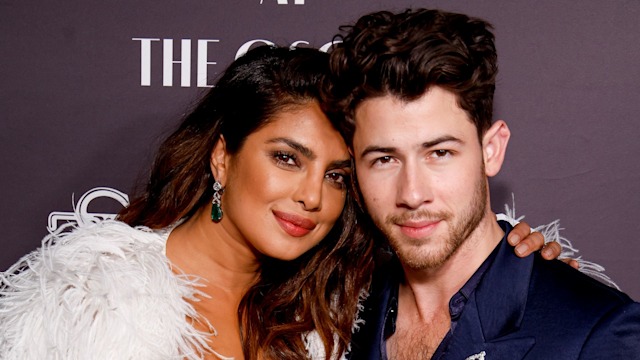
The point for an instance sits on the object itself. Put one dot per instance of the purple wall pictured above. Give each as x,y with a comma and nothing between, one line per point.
75,115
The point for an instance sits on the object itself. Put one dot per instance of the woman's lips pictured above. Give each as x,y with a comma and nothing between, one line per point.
294,225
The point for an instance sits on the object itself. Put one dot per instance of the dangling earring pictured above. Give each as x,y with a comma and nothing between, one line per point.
216,209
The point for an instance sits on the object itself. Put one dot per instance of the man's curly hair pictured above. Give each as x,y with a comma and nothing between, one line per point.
404,54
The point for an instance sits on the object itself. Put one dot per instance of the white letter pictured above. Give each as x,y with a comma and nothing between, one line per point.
168,62
328,45
145,60
202,62
296,43
246,46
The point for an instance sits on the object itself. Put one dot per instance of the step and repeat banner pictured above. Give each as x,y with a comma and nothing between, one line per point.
89,88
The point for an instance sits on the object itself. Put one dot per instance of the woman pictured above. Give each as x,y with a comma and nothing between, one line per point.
254,250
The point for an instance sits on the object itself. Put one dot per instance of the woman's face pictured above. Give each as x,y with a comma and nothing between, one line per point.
286,187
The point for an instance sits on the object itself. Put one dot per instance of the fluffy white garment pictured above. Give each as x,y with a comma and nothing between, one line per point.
313,343
104,290
551,232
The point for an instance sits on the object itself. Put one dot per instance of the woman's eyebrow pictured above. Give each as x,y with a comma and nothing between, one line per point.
308,153
340,164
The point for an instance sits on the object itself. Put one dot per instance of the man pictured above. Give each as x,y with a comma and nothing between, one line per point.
418,87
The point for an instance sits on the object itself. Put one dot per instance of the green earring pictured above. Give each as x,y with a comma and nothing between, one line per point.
216,209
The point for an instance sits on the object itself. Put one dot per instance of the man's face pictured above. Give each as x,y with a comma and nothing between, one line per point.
420,169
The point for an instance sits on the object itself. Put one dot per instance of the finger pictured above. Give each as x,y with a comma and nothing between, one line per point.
519,232
551,250
571,262
530,244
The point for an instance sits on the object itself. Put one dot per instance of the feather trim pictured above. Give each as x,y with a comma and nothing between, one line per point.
551,232
315,347
313,343
101,291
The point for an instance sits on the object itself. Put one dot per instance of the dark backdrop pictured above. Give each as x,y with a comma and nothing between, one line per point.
84,106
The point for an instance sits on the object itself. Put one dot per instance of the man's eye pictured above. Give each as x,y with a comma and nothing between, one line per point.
384,159
441,153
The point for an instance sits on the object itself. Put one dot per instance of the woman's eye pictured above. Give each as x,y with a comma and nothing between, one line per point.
285,158
337,178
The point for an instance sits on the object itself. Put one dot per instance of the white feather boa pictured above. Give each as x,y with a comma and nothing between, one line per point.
551,232
314,344
101,291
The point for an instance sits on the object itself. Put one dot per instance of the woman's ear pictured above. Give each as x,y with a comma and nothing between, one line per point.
494,147
219,161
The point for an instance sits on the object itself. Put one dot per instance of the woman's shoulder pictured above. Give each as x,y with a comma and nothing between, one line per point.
93,248
100,285
90,246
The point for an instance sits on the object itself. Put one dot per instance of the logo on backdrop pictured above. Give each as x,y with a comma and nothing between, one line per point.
285,2
185,62
59,220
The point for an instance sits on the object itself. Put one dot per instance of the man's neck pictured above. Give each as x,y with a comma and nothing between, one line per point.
430,290
423,318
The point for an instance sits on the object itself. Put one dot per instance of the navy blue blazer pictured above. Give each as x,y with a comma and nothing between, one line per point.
523,309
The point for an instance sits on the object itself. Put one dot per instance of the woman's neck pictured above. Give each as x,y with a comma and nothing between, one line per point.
214,252
227,266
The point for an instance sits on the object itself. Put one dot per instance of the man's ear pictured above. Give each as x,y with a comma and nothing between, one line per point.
494,147
219,161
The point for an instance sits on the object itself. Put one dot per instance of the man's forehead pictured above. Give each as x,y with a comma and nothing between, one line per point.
371,126
436,103
390,121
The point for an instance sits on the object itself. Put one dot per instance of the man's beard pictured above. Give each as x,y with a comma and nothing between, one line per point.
459,231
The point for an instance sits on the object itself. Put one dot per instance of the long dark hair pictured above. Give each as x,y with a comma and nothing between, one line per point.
320,290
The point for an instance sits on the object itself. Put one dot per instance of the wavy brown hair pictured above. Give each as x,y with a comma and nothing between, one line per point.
404,54
320,290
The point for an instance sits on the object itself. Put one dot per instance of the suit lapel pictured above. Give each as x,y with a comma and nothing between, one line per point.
469,342
494,312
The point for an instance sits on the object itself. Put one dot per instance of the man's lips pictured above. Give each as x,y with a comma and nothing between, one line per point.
418,228
294,225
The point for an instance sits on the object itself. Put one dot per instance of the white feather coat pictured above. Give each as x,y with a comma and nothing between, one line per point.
101,291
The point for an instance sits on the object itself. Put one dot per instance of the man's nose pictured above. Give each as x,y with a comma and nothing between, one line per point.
413,186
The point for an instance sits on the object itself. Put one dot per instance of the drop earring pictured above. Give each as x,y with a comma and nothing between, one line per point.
216,208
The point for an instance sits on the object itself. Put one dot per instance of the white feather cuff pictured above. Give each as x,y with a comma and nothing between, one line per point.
551,232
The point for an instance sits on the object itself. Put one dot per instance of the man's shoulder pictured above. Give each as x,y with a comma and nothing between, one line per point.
563,284
571,312
563,310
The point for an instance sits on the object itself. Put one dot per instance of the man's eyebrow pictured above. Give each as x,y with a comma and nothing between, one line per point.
379,149
305,151
440,140
425,145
